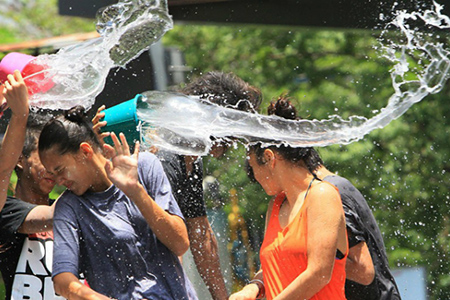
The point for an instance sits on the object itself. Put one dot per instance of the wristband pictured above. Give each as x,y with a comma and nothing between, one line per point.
261,289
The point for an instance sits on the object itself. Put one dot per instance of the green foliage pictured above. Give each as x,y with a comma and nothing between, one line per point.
39,19
6,36
402,169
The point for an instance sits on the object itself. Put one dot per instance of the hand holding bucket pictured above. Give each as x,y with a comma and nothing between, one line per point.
33,74
123,118
3,103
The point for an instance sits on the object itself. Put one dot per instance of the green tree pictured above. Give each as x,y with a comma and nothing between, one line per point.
401,169
27,20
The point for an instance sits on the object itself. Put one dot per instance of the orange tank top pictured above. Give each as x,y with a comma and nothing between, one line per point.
283,256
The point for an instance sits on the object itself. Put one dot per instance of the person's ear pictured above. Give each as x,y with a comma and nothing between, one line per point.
19,165
86,149
269,157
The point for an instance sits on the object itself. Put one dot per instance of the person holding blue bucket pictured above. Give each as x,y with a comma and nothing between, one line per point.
185,173
117,223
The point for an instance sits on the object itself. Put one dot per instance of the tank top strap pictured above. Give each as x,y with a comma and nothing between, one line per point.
309,187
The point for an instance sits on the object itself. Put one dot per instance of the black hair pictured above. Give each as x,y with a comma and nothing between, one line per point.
283,108
68,131
249,171
35,123
225,89
307,157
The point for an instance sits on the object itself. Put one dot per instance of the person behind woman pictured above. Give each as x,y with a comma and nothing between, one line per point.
368,273
26,223
117,222
304,251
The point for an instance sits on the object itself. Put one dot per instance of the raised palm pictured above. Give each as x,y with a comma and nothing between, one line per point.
122,166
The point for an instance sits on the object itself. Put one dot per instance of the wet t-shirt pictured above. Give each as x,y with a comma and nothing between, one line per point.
187,189
104,236
362,227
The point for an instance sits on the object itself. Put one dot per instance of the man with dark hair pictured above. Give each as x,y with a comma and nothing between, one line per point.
185,173
225,89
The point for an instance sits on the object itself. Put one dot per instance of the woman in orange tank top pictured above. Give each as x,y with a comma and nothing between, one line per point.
304,251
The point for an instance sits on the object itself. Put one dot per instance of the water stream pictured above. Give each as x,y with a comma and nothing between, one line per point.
78,73
184,125
128,28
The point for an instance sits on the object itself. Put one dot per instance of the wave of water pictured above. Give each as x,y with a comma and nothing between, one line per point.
184,125
78,73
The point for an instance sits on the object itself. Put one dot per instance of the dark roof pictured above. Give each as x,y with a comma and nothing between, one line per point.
364,14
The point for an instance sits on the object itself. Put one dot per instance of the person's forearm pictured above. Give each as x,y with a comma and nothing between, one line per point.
68,286
39,219
204,250
12,143
169,229
10,151
306,285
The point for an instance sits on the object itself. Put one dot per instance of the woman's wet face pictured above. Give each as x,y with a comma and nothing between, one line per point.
261,173
70,170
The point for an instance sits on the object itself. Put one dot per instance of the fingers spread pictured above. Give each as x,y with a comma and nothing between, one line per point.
100,114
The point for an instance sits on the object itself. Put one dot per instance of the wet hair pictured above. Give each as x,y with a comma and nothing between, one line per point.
35,123
307,157
283,108
225,89
67,131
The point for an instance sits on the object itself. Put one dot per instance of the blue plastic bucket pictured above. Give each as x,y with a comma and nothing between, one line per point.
123,118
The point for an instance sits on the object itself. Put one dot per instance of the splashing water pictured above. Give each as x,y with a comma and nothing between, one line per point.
184,125
78,73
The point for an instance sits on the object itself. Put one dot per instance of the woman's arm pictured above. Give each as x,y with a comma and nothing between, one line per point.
69,286
326,234
122,171
15,92
169,229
